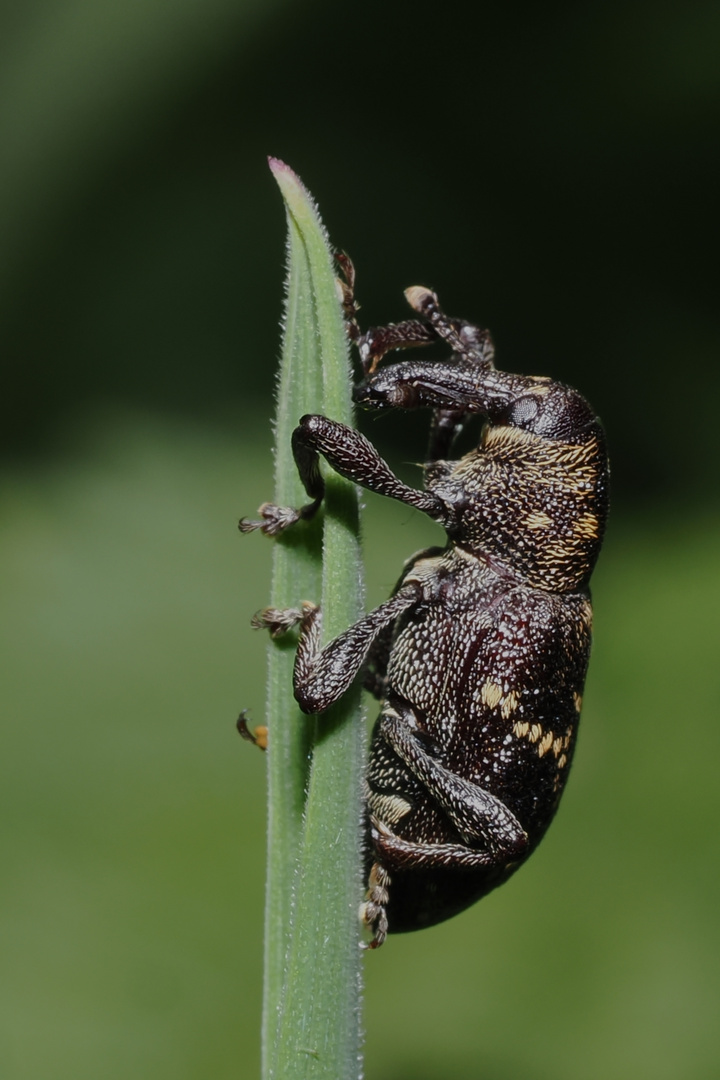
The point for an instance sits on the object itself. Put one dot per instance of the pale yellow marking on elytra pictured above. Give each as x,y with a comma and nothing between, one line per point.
562,761
535,733
586,526
587,615
509,704
490,693
544,746
520,729
538,520
577,698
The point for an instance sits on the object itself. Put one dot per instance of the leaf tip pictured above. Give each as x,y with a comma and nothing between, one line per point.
294,192
277,166
285,175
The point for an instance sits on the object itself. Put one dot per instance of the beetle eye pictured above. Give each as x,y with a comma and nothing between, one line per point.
523,411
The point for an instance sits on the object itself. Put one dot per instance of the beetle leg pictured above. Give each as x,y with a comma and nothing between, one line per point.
321,676
413,855
279,620
275,519
470,342
478,816
469,383
378,341
446,425
351,455
467,341
399,853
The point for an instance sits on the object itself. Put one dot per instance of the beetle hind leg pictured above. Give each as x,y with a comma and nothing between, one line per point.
488,830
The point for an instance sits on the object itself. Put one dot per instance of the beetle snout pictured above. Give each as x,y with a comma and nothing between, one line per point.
372,395
383,390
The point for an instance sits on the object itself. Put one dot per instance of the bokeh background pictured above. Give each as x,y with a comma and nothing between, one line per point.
552,169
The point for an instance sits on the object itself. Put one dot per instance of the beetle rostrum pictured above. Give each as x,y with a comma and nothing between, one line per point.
479,656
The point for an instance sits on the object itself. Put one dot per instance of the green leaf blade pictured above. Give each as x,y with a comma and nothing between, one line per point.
315,1029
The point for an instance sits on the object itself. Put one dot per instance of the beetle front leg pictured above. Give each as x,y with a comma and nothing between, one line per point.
465,339
321,676
378,341
469,341
375,343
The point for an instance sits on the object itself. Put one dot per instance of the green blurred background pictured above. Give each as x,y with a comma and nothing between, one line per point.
552,169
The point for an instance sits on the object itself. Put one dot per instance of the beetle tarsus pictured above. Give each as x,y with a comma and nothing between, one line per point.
372,912
279,620
273,519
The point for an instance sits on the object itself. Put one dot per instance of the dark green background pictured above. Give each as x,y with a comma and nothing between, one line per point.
552,169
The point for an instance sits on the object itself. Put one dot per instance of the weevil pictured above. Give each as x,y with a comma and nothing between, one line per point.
479,656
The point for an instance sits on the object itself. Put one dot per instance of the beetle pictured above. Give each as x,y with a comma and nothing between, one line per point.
479,656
